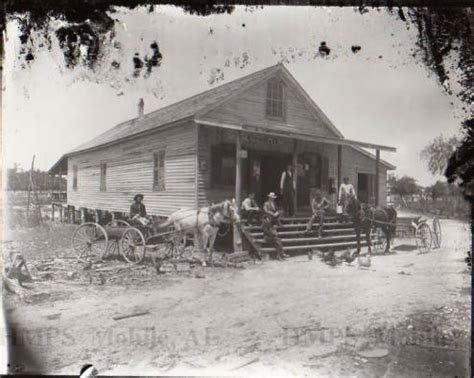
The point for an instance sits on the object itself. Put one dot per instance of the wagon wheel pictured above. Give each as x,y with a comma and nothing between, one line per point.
133,245
423,237
118,222
90,239
379,241
112,247
436,232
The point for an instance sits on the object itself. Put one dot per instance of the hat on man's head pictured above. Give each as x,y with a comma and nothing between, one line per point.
272,195
137,195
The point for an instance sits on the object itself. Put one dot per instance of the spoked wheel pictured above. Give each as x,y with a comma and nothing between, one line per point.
118,223
112,248
90,239
133,245
379,241
424,238
436,232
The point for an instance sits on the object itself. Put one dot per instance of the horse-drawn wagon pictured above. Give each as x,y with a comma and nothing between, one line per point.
132,241
101,241
427,233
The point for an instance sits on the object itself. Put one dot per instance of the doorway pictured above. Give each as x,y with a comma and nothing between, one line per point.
366,187
271,168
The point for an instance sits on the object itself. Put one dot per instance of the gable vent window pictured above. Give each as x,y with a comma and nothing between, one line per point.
275,104
103,177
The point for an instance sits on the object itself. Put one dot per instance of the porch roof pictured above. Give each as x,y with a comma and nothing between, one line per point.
358,145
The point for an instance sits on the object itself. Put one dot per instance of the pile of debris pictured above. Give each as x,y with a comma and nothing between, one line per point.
20,275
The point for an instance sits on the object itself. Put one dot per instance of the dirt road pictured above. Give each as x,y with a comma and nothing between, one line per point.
294,317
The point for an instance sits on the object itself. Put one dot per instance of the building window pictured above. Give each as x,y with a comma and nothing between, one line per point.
223,166
74,177
159,171
103,177
275,105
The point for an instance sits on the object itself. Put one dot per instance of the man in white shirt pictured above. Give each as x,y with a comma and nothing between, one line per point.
250,210
346,190
287,190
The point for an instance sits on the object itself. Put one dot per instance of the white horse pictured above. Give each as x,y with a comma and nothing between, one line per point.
203,223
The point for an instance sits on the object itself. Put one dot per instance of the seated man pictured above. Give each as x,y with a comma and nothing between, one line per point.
319,206
271,237
250,210
270,209
138,213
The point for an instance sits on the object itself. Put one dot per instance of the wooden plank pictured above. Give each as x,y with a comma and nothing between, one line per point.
238,191
339,168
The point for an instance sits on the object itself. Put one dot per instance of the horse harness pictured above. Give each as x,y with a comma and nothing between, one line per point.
373,220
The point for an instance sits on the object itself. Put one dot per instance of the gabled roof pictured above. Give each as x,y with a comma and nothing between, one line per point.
177,111
188,108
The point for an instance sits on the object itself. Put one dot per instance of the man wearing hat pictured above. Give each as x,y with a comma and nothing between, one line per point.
138,211
270,209
346,190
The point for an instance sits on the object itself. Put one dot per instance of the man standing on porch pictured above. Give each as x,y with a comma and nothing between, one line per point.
346,190
287,189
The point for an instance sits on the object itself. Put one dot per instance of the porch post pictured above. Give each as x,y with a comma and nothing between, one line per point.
238,189
339,168
377,185
238,171
295,172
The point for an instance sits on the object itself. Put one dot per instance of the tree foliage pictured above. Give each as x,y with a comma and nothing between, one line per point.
437,153
460,169
403,186
17,179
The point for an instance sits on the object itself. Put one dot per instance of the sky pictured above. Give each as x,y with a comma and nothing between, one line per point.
381,94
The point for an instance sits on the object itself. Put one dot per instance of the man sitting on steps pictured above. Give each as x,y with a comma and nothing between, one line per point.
250,210
271,236
319,206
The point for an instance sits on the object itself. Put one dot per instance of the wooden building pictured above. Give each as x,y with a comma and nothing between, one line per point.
220,144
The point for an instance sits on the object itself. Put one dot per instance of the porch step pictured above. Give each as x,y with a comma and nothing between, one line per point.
302,226
295,240
308,247
340,231
312,240
300,219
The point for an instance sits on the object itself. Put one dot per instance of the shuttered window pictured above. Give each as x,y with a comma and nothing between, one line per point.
103,177
275,104
159,171
74,177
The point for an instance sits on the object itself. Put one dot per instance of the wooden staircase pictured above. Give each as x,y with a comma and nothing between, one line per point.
295,240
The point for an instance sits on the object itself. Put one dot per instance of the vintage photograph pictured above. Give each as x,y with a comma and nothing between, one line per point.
236,190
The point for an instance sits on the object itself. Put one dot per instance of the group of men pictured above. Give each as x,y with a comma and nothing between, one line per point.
270,215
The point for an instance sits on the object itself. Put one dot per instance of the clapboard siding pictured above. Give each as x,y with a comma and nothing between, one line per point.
130,171
249,109
355,162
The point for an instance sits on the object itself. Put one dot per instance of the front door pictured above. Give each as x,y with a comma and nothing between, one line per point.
365,187
271,168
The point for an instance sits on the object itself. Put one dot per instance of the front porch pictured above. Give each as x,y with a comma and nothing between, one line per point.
232,163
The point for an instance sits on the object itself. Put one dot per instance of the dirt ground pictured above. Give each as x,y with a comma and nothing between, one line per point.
406,315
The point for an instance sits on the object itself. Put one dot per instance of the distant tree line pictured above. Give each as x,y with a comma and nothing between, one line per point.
18,180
